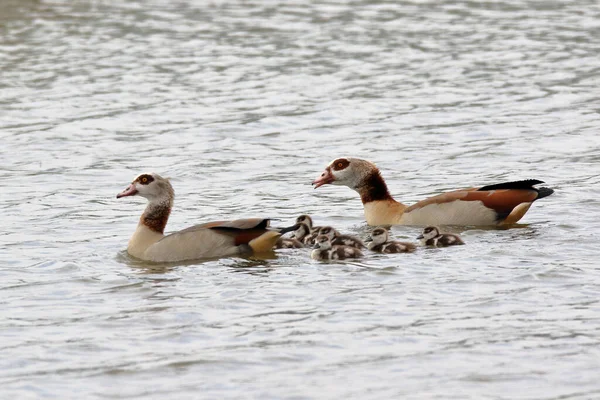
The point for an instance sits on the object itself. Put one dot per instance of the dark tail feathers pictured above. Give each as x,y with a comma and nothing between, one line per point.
526,184
544,192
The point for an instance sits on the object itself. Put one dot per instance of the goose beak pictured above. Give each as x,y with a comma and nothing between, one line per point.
325,178
130,191
288,229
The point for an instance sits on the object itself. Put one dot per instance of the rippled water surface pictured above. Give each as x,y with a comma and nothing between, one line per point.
242,104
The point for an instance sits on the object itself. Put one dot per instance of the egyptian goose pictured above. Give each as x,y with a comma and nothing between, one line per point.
212,239
324,250
381,244
432,236
339,239
499,204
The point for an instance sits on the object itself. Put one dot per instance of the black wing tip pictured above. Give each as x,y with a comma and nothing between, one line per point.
264,224
524,184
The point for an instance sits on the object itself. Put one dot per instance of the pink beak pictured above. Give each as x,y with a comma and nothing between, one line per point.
130,191
325,178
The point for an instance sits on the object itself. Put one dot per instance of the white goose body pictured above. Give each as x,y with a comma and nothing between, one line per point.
459,212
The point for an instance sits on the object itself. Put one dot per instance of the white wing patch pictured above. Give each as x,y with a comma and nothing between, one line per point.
452,213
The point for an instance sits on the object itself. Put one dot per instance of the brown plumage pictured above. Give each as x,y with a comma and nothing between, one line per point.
289,243
325,251
339,239
313,231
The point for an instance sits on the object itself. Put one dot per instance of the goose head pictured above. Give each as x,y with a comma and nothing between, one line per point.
151,186
323,243
429,233
346,171
379,236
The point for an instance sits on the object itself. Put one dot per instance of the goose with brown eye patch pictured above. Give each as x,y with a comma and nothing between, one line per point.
208,240
498,204
432,236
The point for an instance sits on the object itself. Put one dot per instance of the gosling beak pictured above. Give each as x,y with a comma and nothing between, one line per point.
130,191
325,178
420,237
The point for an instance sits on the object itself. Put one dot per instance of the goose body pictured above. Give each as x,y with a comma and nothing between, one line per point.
382,244
324,250
209,240
498,204
432,236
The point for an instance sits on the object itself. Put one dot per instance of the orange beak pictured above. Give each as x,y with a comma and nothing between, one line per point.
325,178
130,191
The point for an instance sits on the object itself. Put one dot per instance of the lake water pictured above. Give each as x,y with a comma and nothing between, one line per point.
242,104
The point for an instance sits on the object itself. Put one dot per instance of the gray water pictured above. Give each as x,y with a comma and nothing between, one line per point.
242,104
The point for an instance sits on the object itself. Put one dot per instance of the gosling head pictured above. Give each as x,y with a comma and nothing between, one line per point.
328,231
323,243
379,236
305,219
429,233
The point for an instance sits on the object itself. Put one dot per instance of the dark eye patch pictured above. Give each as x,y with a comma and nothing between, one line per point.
145,179
340,164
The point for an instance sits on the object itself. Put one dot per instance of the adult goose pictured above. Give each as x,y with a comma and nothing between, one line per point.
499,204
212,239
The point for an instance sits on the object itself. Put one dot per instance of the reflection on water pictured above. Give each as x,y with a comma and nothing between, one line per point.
242,104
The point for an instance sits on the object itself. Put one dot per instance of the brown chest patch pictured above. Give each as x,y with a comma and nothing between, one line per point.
156,218
374,188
